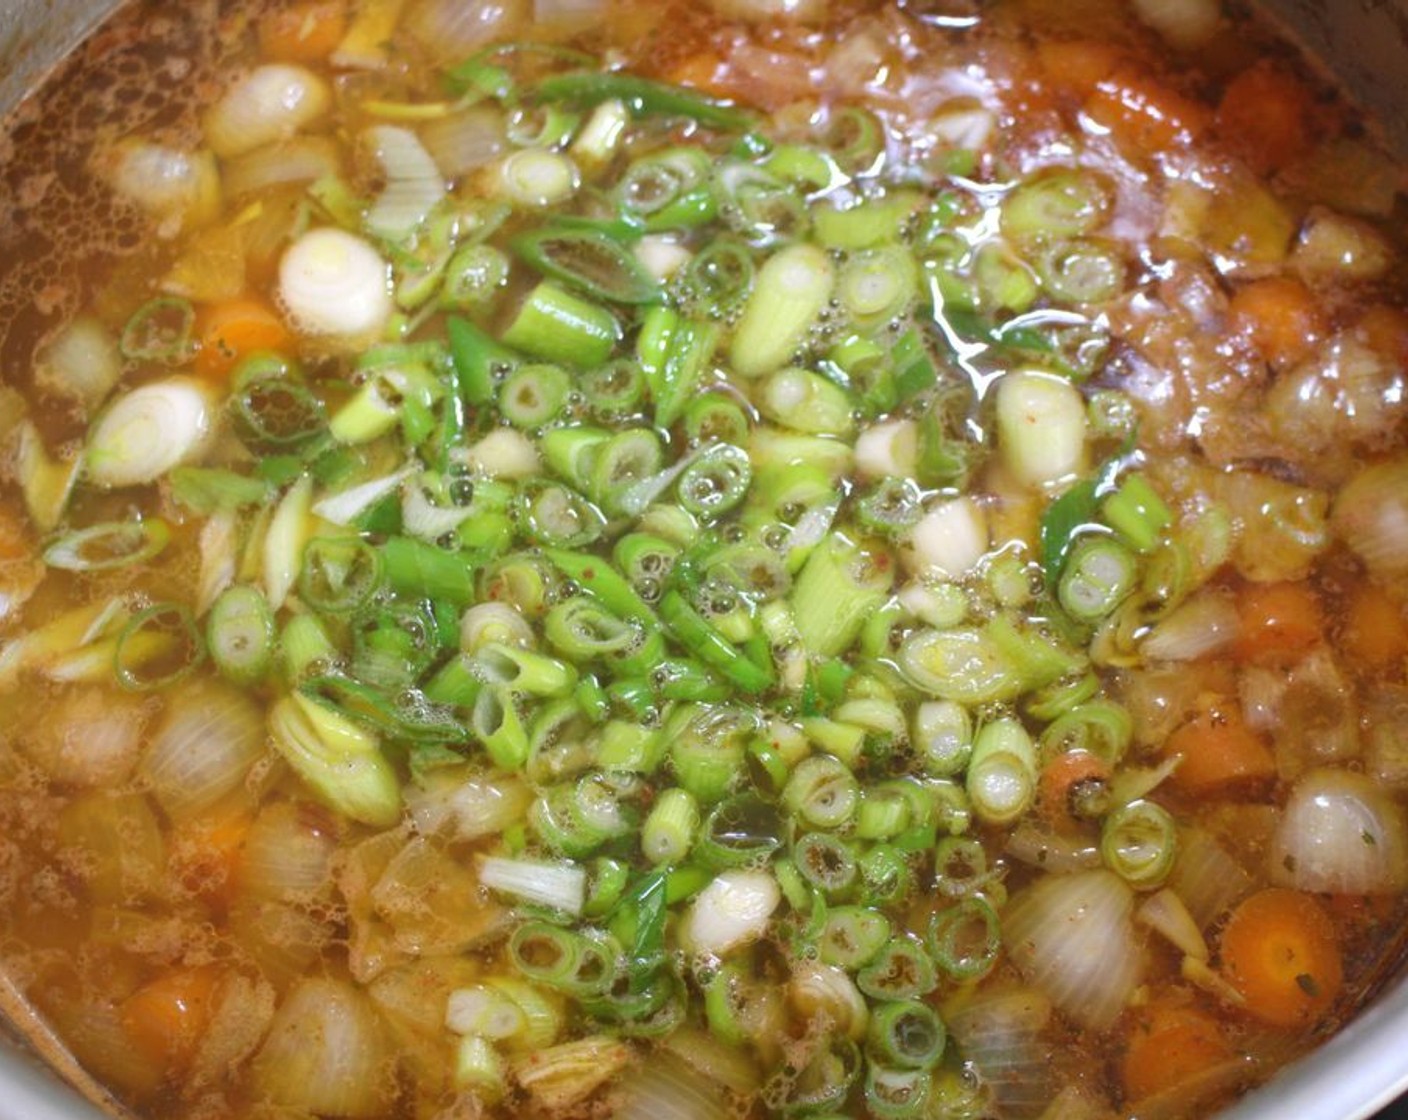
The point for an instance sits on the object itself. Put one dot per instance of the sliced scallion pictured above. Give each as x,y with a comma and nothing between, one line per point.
113,544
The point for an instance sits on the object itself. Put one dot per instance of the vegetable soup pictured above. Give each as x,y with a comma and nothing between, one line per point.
674,561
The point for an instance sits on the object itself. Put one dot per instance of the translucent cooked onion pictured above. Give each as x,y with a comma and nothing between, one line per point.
1371,517
1002,1034
453,30
666,1088
466,808
463,142
208,739
181,189
270,104
1206,877
761,11
80,362
92,738
1073,937
326,1053
288,852
1340,833
494,623
1202,625
414,184
303,159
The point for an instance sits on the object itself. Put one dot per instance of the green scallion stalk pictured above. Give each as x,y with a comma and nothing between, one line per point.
1057,202
629,747
669,830
907,1034
541,126
669,189
496,724
715,481
161,330
899,1094
646,562
839,587
793,287
240,632
1101,727
339,574
455,684
739,831
559,517
590,262
1098,575
1002,772
893,506
478,358
109,545
1137,513
883,814
1081,270
886,875
966,938
613,390
807,402
621,465
373,709
557,326
641,95
417,569
852,936
208,490
826,862
523,671
1004,282
571,452
855,138
711,647
868,224
1138,842
583,629
559,958
942,735
822,792
901,970
715,418
707,768
719,278
674,354
479,1068
474,276
274,414
877,286
304,648
534,394
554,823
157,647
606,884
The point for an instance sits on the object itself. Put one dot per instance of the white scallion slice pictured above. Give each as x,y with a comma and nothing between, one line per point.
335,286
145,433
272,103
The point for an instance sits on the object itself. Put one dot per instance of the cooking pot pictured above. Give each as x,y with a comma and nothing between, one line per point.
1364,45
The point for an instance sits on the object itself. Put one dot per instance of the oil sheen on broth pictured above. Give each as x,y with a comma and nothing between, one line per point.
633,559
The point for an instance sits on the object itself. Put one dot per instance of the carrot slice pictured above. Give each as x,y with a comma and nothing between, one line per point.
1280,952
1265,116
166,1018
306,32
1221,754
1071,788
229,331
1168,1044
1280,318
1143,113
1278,620
1375,631
1078,64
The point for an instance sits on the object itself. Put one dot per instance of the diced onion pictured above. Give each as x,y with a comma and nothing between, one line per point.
326,1053
1371,516
180,189
1340,833
414,184
467,808
951,538
665,1088
1164,912
1073,937
1040,427
731,911
1003,1035
203,749
465,141
1202,625
81,362
91,739
303,159
335,286
1206,877
288,853
271,103
145,433
1184,24
453,30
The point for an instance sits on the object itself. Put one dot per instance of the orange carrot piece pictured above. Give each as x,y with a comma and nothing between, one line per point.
1280,952
1078,64
1221,754
230,331
1278,620
1375,630
1279,317
166,1018
1168,1044
208,856
1143,113
1265,116
1071,788
306,32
